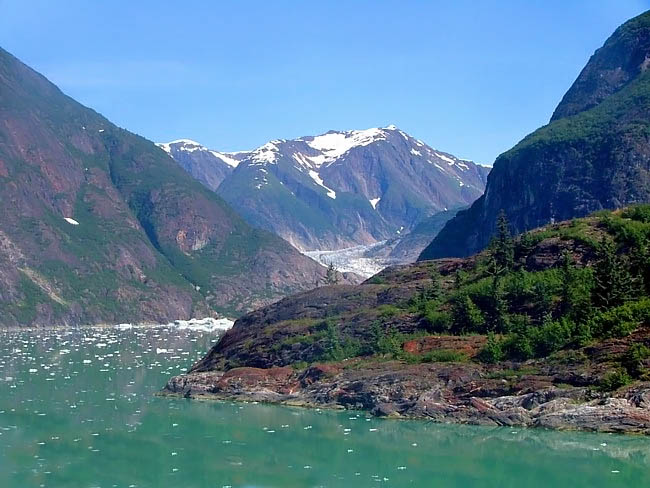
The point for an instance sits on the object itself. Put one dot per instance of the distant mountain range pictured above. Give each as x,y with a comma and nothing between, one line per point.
339,189
594,154
99,225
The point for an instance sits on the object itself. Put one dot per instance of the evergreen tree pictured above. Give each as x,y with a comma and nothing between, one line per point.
467,317
640,265
503,246
614,284
459,279
433,291
497,310
332,275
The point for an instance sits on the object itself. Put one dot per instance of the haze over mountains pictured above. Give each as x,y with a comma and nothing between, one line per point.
339,189
99,225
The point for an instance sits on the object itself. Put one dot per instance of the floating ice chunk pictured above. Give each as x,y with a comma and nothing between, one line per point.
207,324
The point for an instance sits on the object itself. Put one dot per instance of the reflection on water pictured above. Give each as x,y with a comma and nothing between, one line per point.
77,408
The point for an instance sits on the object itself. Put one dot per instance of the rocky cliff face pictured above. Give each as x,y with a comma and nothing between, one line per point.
340,189
594,154
100,225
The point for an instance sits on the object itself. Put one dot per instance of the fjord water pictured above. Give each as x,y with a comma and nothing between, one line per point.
77,409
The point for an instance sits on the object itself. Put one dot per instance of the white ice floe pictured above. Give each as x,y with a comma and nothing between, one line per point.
207,324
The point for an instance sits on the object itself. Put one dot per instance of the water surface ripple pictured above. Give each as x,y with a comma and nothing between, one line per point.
77,409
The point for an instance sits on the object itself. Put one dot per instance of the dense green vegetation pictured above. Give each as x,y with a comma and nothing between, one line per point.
593,285
535,313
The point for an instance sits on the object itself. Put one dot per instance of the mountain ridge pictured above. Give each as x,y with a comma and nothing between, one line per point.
339,189
100,225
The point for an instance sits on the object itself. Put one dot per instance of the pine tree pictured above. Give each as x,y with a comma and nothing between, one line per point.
566,303
614,284
434,291
332,275
467,317
503,246
496,317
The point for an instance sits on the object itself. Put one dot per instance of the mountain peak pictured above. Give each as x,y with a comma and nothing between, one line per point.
341,188
593,155
189,146
332,145
620,61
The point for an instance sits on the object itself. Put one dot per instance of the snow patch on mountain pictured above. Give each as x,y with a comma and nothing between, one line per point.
316,177
268,153
333,145
374,202
445,158
190,146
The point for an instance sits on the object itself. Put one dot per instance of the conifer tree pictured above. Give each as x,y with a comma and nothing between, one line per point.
503,247
331,277
614,284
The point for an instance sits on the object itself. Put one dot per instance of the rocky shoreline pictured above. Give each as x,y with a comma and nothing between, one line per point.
463,393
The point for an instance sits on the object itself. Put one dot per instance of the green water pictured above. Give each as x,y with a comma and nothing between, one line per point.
77,410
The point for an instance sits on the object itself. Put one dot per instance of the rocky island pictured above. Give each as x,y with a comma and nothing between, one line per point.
551,329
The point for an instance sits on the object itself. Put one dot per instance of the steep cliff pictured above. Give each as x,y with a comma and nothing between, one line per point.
594,154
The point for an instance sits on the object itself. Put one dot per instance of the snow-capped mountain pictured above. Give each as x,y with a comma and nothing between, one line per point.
338,189
208,166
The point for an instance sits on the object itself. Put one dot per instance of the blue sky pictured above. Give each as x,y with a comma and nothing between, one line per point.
468,77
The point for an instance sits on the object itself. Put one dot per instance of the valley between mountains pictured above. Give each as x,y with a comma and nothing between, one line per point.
361,199
529,308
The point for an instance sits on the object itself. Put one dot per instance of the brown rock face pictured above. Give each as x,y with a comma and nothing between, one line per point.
467,345
143,241
461,393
